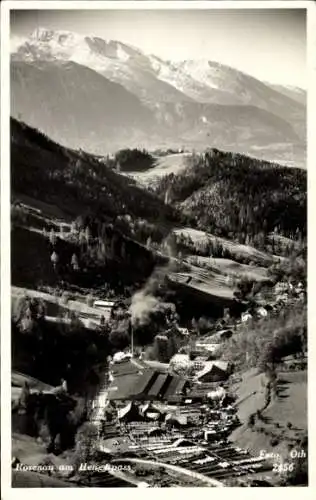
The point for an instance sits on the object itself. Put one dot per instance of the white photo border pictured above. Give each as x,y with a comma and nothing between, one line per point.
9,493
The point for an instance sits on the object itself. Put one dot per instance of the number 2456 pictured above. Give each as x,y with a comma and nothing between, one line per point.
286,467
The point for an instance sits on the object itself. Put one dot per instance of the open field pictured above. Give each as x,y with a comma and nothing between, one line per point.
165,165
205,283
231,268
239,250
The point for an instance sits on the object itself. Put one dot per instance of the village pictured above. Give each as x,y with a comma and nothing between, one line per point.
169,421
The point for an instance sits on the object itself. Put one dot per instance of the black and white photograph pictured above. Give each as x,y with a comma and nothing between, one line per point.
157,242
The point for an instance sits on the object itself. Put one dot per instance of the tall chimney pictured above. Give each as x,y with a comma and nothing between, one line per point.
131,330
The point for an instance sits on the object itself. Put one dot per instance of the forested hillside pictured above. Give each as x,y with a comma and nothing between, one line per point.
133,159
239,197
79,184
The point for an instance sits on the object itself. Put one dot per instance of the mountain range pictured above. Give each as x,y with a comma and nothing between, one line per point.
98,95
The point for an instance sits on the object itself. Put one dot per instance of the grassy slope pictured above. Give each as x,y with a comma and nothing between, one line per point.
209,282
231,268
290,408
239,250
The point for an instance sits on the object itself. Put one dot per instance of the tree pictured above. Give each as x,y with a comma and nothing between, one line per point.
92,351
52,237
251,420
123,251
79,223
64,298
148,242
74,228
89,300
227,314
168,196
75,262
82,238
54,259
87,234
25,396
119,336
194,324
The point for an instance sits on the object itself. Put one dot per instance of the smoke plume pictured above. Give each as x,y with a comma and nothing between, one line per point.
144,302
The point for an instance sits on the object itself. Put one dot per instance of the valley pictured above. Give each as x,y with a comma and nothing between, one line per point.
151,326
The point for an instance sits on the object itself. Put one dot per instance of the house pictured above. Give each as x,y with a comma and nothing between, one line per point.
213,371
217,395
151,412
120,357
246,316
262,312
210,346
130,413
281,287
216,338
299,287
207,349
176,420
183,331
104,305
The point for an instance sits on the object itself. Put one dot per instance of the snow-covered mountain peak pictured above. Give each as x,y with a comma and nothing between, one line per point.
55,44
211,73
113,58
150,77
47,35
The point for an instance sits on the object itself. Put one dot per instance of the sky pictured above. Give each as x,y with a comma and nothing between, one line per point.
269,44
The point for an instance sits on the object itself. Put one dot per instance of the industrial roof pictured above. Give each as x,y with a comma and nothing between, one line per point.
144,383
157,386
175,386
129,384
